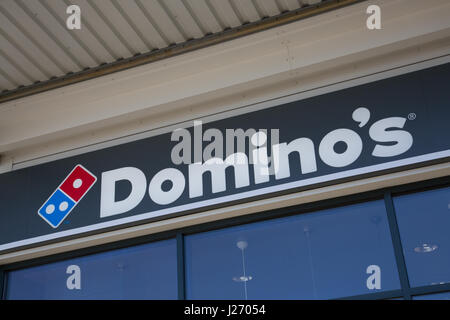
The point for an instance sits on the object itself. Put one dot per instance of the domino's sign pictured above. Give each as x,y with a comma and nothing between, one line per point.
289,145
388,134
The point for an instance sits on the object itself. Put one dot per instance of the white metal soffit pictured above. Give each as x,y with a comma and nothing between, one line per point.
38,52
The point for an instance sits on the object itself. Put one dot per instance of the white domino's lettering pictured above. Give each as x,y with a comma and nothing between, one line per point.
388,134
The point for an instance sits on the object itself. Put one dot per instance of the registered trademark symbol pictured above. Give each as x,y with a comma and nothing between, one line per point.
412,116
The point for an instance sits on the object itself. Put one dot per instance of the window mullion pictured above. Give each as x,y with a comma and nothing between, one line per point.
398,249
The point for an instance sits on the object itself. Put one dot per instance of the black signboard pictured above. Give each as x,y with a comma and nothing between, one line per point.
367,130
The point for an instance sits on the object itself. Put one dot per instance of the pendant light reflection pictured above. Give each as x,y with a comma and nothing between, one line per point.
425,248
242,245
242,278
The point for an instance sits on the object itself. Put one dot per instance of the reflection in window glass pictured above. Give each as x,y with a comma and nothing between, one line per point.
424,222
434,296
140,272
332,253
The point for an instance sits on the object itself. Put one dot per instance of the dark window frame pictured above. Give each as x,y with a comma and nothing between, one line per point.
405,292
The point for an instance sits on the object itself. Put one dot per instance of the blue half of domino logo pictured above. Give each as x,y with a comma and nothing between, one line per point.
56,208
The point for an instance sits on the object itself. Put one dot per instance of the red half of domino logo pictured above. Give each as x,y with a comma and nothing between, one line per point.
69,193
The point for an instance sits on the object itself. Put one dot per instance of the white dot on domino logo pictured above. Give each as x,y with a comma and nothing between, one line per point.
50,209
77,183
63,206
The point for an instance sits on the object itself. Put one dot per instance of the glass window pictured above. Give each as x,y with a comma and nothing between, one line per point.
434,296
141,272
332,253
424,222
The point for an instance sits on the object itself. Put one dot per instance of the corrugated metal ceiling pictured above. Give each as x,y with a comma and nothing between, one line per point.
36,46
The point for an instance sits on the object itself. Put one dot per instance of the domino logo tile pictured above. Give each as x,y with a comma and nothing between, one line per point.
65,198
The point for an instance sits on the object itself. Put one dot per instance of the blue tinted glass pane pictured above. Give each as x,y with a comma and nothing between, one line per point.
318,255
434,296
141,272
424,223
